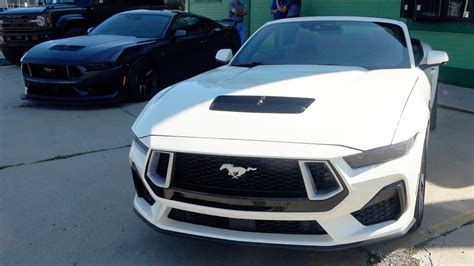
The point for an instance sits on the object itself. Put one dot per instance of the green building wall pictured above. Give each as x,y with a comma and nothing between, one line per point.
455,38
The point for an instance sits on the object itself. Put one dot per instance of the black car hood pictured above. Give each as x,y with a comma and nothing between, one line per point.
24,11
81,49
37,10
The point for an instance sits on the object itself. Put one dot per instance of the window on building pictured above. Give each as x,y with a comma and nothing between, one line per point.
438,10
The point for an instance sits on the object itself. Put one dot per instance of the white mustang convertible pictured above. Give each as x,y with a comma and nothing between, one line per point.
313,134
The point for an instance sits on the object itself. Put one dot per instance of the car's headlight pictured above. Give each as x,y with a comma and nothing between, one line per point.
380,155
100,66
40,21
140,143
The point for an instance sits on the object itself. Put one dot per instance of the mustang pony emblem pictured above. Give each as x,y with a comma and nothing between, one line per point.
48,70
236,171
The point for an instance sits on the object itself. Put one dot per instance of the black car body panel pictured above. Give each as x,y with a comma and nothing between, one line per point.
19,30
83,49
95,68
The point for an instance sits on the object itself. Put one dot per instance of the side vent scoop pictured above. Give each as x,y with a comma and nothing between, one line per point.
261,104
66,47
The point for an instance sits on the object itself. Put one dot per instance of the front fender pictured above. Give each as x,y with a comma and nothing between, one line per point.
416,114
65,20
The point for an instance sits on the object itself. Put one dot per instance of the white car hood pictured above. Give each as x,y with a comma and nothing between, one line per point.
353,107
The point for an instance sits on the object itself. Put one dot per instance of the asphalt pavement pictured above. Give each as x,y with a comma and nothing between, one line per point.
66,195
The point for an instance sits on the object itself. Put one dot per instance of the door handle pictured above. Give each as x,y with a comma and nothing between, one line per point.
204,41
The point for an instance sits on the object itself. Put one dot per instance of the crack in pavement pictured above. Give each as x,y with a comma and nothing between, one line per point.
405,256
20,106
127,112
63,157
372,257
443,234
429,255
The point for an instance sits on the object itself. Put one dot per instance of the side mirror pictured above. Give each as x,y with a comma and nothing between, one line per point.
214,30
180,33
104,2
224,56
89,30
435,58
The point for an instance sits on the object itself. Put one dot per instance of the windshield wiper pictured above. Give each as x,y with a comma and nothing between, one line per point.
251,64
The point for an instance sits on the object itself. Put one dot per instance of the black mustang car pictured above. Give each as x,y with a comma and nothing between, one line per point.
131,55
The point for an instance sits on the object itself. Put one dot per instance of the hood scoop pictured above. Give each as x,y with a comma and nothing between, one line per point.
261,104
60,47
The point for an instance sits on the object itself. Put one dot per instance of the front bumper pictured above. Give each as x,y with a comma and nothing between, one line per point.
26,38
102,86
341,227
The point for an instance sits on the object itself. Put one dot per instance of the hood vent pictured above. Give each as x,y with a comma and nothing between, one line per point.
66,47
261,104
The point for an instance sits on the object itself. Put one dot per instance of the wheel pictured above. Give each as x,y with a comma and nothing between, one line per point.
434,113
142,81
74,31
12,55
420,195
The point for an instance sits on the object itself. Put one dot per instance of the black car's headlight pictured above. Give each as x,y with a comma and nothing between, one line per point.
100,66
380,155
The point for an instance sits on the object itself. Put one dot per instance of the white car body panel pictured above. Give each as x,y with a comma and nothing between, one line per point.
343,99
342,228
355,110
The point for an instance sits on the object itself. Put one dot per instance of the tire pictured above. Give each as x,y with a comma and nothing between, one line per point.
434,113
420,195
12,55
142,80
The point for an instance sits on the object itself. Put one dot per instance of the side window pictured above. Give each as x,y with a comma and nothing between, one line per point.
193,25
207,24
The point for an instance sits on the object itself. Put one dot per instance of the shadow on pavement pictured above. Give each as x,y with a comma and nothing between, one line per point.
451,150
214,253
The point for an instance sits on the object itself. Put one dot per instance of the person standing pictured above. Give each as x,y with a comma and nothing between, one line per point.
277,9
237,11
292,8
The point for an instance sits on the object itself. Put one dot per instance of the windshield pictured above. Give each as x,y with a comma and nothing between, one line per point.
370,45
137,25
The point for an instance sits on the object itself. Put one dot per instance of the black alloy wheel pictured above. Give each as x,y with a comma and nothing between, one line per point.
142,81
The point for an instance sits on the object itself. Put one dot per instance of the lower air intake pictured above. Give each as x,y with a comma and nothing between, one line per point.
387,205
257,226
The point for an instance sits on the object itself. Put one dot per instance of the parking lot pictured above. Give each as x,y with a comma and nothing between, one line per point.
66,195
